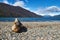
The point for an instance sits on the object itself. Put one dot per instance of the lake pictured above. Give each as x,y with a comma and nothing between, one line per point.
31,19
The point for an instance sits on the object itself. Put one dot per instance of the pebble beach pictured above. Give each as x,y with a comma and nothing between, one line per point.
34,31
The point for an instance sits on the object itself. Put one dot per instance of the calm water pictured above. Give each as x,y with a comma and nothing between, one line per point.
31,19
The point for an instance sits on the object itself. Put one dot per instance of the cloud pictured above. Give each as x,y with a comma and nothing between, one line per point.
52,10
5,1
19,3
27,8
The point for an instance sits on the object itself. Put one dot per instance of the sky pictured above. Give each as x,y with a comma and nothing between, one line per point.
40,7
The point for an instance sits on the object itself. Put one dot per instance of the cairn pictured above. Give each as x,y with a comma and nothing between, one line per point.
17,25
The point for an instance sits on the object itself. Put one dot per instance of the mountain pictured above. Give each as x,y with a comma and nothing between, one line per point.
53,9
57,16
15,11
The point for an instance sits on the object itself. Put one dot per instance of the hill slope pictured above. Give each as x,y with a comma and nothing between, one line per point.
15,11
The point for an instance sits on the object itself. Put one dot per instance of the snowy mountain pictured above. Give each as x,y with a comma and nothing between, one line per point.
52,11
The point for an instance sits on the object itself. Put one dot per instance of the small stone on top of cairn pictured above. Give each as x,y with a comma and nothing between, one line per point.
17,25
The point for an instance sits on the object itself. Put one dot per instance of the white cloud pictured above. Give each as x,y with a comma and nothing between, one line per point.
19,3
52,10
27,8
5,1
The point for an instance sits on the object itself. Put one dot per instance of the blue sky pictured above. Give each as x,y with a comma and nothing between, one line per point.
34,5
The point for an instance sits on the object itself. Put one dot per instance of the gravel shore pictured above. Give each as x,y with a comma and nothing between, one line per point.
34,31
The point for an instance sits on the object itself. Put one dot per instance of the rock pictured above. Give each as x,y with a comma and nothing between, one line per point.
38,38
17,25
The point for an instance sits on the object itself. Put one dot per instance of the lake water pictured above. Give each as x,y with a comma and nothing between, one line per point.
31,19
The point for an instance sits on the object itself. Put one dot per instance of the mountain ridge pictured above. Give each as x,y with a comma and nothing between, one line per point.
15,11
